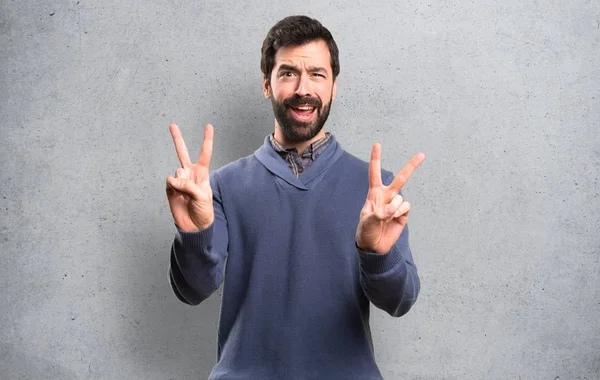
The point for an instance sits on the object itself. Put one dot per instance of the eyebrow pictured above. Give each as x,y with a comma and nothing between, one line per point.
295,68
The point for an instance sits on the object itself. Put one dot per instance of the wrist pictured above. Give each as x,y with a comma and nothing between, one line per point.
374,262
192,227
203,224
360,246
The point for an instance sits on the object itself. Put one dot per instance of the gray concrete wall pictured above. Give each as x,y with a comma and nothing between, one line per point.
503,97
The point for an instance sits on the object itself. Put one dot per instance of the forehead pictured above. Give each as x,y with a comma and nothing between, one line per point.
315,53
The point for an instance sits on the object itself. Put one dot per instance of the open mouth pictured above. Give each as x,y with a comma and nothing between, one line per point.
303,113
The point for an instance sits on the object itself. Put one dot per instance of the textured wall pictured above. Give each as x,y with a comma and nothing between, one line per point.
503,97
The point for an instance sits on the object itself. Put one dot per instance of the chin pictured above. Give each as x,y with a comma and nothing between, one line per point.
301,133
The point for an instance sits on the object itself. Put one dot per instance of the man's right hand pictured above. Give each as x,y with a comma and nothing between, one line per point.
189,192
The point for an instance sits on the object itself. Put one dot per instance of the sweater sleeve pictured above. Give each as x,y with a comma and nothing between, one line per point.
198,258
390,281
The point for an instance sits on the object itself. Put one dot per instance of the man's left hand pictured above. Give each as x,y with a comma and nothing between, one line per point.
385,212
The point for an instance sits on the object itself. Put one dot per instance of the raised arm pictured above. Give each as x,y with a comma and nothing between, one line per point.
199,249
389,277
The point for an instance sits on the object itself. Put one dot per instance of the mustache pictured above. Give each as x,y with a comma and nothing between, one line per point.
299,101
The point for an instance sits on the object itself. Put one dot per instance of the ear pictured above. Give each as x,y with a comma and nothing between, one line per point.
266,88
334,90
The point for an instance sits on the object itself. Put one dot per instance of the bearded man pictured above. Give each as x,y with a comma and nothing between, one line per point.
304,235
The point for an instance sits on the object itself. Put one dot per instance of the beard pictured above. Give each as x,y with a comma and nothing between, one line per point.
298,131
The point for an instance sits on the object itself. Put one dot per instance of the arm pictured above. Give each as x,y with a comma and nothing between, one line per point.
198,258
390,281
388,275
200,247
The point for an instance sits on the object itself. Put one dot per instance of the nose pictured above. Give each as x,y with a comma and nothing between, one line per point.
304,87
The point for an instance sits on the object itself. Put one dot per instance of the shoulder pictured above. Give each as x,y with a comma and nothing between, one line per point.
233,178
237,167
235,174
353,164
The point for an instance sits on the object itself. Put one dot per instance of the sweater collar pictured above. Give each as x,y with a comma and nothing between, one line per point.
276,165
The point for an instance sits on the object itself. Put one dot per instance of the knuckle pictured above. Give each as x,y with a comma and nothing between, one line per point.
397,200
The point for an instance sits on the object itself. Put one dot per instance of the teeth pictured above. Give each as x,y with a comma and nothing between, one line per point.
305,108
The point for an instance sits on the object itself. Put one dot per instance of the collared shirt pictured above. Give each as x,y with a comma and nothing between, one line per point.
299,162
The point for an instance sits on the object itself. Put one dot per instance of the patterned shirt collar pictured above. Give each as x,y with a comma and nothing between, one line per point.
299,162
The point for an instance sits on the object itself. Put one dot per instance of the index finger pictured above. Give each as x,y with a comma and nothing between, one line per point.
405,173
182,152
375,166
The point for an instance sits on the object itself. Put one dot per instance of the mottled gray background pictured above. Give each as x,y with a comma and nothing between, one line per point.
503,97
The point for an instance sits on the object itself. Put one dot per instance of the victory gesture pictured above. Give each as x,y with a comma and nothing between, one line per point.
189,192
385,212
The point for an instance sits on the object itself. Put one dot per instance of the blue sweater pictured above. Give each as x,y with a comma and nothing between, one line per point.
297,289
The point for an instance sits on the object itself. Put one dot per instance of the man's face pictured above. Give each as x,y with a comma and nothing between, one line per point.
301,89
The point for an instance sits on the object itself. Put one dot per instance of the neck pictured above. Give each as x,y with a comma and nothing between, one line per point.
300,146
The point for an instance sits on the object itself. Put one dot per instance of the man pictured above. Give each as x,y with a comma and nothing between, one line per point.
305,233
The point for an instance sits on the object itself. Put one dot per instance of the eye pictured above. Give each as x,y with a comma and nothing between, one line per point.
287,73
319,75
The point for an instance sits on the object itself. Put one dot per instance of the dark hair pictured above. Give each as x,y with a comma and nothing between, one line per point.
296,31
